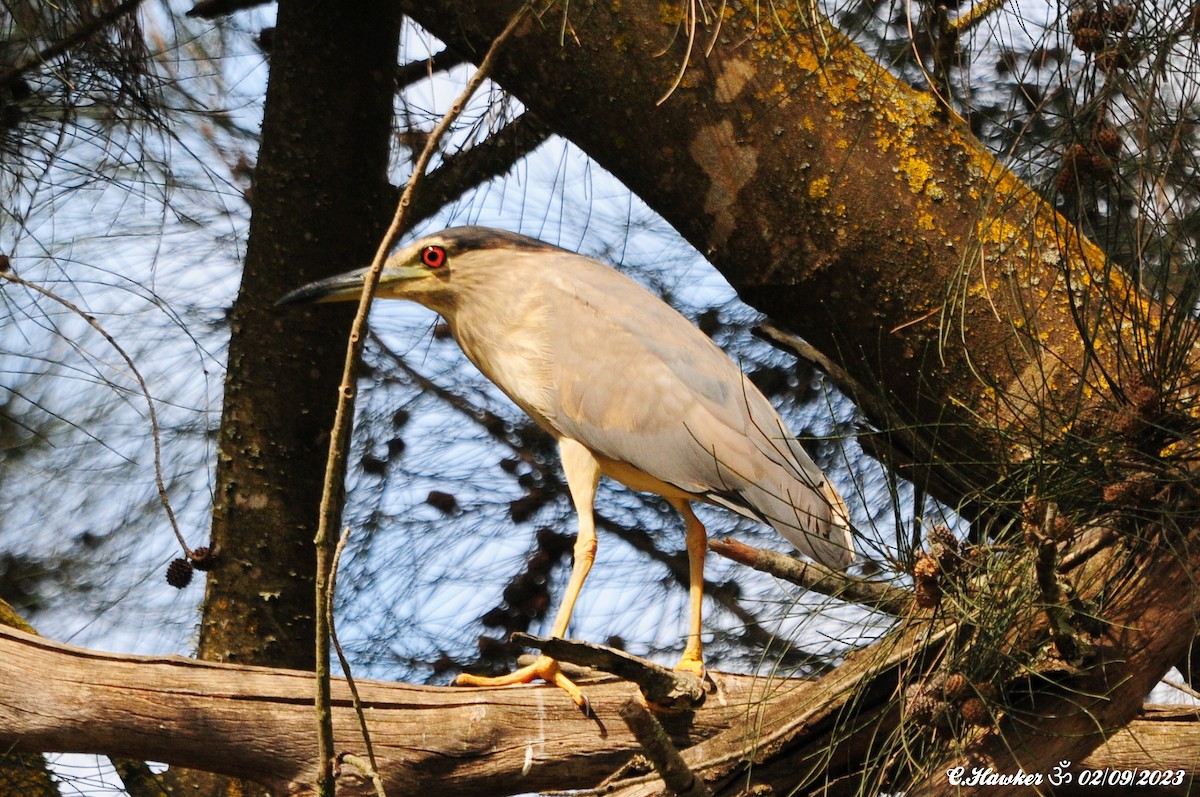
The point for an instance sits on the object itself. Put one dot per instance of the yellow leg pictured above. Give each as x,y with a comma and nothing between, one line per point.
697,544
583,474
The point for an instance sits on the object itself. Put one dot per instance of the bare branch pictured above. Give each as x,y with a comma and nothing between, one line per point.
472,167
662,754
900,443
85,31
411,72
211,9
817,577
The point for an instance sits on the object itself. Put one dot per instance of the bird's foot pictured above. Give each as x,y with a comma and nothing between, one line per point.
693,665
544,668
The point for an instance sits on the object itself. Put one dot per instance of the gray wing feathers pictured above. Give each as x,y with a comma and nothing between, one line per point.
681,411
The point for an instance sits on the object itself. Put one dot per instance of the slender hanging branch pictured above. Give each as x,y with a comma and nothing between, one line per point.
340,434
159,482
818,578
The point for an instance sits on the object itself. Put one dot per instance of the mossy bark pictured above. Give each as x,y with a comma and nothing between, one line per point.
855,210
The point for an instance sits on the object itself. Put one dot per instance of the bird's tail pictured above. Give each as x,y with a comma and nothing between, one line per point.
842,532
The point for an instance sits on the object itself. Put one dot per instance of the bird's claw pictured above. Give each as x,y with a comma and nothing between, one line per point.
692,665
543,668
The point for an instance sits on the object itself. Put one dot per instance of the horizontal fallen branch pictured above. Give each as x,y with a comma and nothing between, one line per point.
256,723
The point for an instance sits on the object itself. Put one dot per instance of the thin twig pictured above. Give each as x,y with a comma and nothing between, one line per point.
85,31
137,375
373,768
879,413
340,433
366,769
905,440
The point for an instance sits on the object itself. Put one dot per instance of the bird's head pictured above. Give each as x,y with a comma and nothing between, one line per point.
429,270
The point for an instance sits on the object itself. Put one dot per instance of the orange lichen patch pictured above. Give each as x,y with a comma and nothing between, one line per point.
918,171
818,188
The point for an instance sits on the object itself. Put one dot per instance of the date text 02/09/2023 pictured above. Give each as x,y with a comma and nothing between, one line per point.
986,776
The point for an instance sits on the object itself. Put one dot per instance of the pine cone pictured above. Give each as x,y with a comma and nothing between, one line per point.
926,568
920,705
1108,141
928,594
1090,40
179,573
955,686
975,712
1120,17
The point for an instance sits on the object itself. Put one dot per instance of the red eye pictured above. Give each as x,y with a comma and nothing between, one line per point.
433,256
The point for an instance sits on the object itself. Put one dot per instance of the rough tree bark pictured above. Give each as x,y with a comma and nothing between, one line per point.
255,722
320,203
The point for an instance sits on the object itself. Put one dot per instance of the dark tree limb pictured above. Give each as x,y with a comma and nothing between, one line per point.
414,71
211,9
461,171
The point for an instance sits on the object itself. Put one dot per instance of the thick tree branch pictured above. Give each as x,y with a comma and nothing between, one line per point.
255,723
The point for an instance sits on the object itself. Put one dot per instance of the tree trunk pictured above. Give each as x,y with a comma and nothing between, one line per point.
321,200
320,205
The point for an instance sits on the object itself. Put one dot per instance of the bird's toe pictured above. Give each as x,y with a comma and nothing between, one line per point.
543,668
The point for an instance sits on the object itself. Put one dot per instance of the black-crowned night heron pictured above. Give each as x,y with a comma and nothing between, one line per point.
628,387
